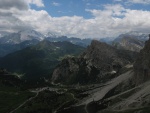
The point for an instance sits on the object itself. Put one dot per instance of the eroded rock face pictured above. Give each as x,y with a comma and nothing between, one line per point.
97,64
142,64
104,56
75,70
128,42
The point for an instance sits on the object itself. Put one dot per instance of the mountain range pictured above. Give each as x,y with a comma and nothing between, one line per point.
133,41
6,49
125,91
39,60
133,98
21,36
95,65
12,42
17,41
56,76
26,35
76,41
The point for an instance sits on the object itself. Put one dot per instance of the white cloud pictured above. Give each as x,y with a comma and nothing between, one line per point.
139,1
38,3
18,4
134,1
109,11
111,21
55,4
115,19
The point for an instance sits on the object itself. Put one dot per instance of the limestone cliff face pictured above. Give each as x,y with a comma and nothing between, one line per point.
104,56
129,43
75,70
142,64
97,64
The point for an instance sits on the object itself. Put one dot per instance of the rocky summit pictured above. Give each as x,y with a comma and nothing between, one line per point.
100,62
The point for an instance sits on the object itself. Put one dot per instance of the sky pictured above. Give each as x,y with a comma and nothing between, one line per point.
76,18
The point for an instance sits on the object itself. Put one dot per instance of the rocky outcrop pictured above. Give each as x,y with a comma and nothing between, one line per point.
75,70
105,56
142,64
97,64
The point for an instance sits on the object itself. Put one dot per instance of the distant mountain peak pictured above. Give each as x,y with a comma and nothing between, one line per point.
133,41
21,36
135,33
51,34
27,34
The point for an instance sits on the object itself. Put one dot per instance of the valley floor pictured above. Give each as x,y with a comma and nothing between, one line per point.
115,96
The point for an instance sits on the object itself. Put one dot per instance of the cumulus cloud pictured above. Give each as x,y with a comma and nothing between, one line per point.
10,11
110,21
115,19
39,20
38,3
18,4
109,10
139,1
134,1
8,21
